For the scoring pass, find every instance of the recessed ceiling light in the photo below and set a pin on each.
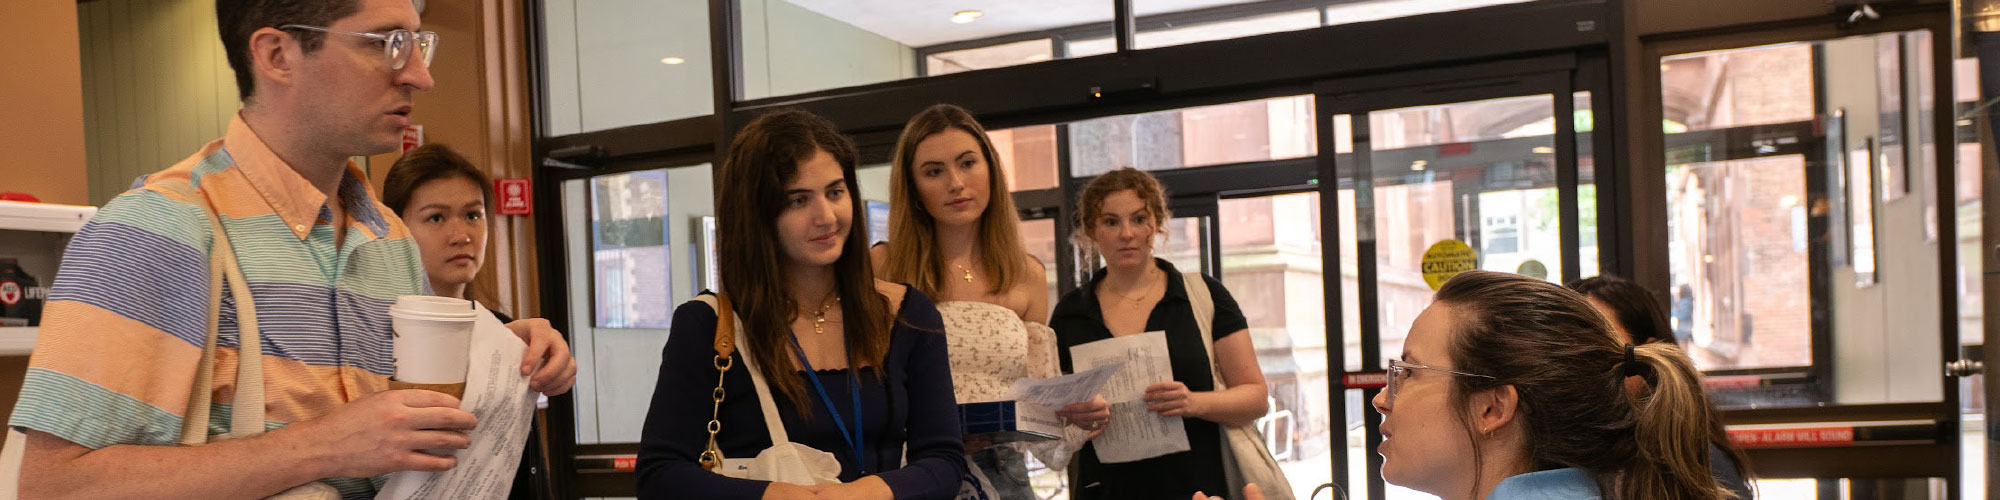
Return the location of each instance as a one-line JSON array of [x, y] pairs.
[[672, 60], [1543, 150], [1419, 165], [966, 16]]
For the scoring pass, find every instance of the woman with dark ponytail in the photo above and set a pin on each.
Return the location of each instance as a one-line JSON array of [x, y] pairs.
[[1636, 313], [1511, 387]]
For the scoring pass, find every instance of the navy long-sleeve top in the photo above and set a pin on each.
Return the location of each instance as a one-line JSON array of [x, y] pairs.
[[913, 408]]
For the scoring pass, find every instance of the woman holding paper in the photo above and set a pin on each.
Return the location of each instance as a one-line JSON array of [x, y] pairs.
[[1120, 215], [954, 235], [852, 368], [443, 199]]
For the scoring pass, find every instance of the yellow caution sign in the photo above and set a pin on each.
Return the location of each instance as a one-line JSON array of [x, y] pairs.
[[1446, 259]]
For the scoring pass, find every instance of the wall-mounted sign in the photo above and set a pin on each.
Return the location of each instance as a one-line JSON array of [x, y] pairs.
[[1446, 259], [515, 197], [413, 136]]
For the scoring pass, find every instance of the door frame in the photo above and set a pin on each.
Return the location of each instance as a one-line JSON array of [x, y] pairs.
[[1559, 76], [1939, 458]]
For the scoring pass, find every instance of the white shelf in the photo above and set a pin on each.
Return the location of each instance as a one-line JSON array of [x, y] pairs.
[[17, 340], [47, 217]]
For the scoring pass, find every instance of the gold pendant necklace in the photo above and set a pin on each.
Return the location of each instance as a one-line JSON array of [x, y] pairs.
[[819, 317], [968, 272], [1135, 302]]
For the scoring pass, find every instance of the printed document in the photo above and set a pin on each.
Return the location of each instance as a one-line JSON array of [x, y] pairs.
[[1134, 433]]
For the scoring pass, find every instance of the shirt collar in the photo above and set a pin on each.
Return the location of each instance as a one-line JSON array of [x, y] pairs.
[[1176, 290], [294, 199], [1567, 483]]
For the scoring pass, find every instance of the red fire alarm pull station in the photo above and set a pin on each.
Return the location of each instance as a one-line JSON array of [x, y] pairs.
[[516, 198]]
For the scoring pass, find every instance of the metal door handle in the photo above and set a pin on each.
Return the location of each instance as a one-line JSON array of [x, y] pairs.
[[1964, 368]]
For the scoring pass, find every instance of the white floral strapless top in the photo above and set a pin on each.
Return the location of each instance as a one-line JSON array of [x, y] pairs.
[[991, 348]]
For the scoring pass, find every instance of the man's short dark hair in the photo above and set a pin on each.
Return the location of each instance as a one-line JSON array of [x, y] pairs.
[[237, 19]]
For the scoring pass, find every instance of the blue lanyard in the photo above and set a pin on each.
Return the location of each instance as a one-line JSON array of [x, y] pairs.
[[854, 439]]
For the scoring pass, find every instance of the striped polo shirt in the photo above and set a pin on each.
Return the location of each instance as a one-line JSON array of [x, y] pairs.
[[123, 328]]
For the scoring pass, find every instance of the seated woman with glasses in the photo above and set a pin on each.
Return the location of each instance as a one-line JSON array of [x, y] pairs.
[[1514, 388], [1636, 317]]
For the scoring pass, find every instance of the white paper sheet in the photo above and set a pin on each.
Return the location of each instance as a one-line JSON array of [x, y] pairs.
[[496, 393], [1056, 392], [1134, 433]]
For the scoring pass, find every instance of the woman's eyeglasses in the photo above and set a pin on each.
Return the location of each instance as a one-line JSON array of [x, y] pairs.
[[396, 45], [1398, 370]]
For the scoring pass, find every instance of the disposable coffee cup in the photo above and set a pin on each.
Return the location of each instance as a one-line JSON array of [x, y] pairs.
[[433, 343]]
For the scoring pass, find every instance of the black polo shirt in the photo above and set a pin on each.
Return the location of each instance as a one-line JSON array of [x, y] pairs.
[[1078, 319]]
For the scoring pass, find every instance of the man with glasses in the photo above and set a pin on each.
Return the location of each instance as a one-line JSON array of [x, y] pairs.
[[321, 81]]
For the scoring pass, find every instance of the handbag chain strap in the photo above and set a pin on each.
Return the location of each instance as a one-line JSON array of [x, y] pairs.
[[725, 344]]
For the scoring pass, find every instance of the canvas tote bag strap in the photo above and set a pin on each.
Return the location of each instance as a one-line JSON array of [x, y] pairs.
[[764, 402], [194, 425], [1204, 315], [247, 411]]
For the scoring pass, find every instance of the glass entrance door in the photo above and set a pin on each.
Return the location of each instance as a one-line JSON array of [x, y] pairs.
[[1488, 166]]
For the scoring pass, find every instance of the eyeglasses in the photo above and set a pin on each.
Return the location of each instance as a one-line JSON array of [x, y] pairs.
[[1399, 370], [395, 44]]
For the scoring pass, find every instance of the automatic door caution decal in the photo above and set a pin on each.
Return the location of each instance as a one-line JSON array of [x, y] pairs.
[[1445, 259]]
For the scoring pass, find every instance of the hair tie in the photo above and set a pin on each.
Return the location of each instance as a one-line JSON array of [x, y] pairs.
[[1631, 363]]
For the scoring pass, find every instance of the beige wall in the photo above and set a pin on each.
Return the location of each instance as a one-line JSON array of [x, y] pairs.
[[480, 109], [41, 96], [155, 86]]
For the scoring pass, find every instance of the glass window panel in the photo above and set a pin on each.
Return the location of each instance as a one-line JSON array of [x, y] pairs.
[[1377, 10], [1028, 155], [1186, 240], [1481, 172], [798, 46], [1739, 215], [1269, 129], [1586, 188], [646, 235], [874, 182], [1039, 235], [1706, 90], [615, 63], [629, 230], [1740, 279], [1091, 46], [1227, 29], [1271, 263], [993, 56]]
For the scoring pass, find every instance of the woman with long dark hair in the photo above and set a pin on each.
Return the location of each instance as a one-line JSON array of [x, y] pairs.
[[856, 367]]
